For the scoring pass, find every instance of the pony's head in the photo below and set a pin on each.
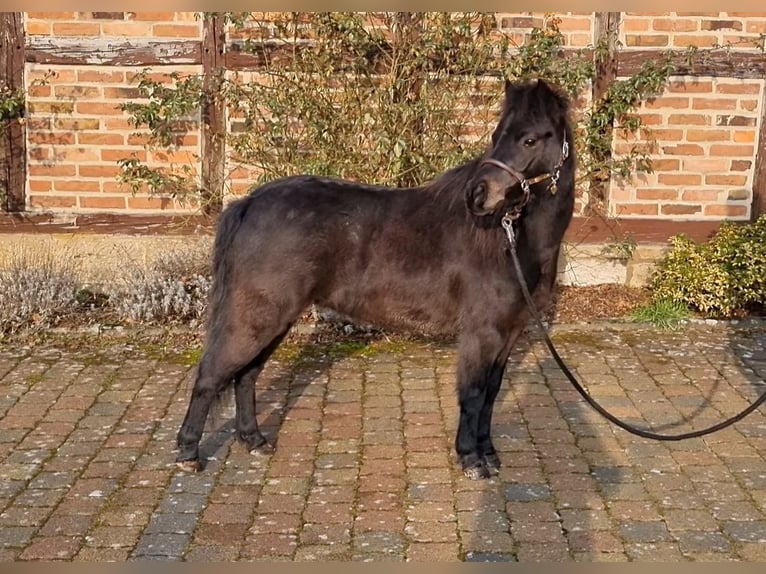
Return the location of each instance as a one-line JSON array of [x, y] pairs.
[[529, 147]]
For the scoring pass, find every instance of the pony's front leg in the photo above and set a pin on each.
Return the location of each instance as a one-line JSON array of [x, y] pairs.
[[494, 382], [484, 433], [479, 374]]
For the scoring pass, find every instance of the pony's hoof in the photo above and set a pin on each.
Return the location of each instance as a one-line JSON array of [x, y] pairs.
[[256, 443], [478, 472], [189, 465], [493, 463], [264, 448]]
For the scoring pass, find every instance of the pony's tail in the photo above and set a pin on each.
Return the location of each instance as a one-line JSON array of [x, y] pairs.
[[228, 226]]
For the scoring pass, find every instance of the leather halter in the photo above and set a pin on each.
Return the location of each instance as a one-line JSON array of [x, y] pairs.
[[526, 183]]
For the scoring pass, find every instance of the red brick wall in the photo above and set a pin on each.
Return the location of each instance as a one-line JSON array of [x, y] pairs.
[[706, 128]]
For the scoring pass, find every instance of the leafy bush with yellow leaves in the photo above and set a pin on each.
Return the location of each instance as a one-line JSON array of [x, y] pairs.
[[723, 277]]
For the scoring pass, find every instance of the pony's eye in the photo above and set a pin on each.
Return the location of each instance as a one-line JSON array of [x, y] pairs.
[[529, 142]]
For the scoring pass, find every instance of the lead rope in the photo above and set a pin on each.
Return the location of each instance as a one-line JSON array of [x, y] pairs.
[[507, 223]]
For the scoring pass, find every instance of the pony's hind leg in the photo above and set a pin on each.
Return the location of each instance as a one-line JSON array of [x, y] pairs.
[[244, 392], [215, 372], [229, 350]]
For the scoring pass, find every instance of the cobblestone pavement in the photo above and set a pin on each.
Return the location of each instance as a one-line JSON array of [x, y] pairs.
[[363, 468]]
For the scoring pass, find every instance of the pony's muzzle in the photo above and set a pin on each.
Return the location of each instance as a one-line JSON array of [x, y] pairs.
[[489, 193]]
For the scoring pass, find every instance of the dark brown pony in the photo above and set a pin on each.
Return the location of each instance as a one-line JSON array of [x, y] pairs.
[[433, 258]]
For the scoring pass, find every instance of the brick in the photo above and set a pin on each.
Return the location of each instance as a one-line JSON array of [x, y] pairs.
[[76, 29], [683, 149], [116, 187], [697, 41], [100, 76], [52, 201], [79, 154], [127, 28], [575, 24], [109, 15], [37, 107], [631, 24], [91, 202], [706, 195], [51, 15], [732, 150], [675, 24], [648, 194], [646, 40], [690, 86], [714, 103], [667, 102], [707, 135], [679, 179], [729, 120], [722, 25], [176, 30], [184, 157], [52, 170], [74, 124], [152, 16], [100, 139], [744, 136], [749, 105], [98, 109], [118, 154], [726, 210], [637, 209], [37, 28], [737, 180], [737, 88], [121, 93], [680, 209], [661, 164], [76, 185], [77, 92], [705, 165], [666, 135], [39, 185], [109, 171]]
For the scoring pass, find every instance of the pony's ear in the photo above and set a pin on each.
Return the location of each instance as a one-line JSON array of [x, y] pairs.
[[543, 86]]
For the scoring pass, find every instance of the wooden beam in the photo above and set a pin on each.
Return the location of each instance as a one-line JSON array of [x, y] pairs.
[[137, 52], [213, 115], [605, 59], [112, 51], [13, 149], [758, 207], [740, 65]]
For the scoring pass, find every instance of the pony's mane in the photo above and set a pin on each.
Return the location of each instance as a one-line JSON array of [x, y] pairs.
[[451, 185]]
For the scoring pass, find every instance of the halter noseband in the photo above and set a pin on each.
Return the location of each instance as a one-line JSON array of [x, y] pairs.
[[526, 183]]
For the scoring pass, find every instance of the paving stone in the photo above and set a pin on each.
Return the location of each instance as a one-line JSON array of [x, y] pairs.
[[91, 478], [161, 544], [172, 523]]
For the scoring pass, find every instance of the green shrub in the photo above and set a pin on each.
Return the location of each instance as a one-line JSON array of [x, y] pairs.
[[722, 277]]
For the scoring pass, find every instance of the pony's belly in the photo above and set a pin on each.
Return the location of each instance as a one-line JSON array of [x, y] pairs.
[[396, 311]]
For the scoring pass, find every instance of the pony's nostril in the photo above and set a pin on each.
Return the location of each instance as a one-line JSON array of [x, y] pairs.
[[479, 193]]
